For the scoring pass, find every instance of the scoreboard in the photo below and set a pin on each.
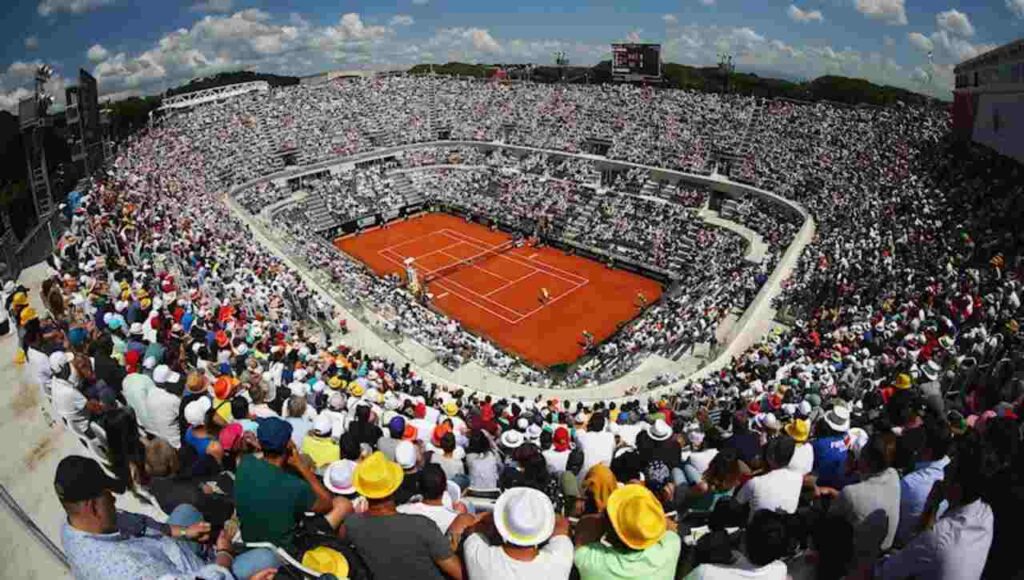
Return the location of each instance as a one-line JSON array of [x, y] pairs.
[[636, 62]]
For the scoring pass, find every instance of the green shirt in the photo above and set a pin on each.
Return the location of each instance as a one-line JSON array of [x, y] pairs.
[[269, 501], [596, 561]]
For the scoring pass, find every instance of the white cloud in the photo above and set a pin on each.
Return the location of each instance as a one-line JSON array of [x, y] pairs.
[[401, 20], [97, 53], [956, 22], [215, 6], [891, 12], [352, 28], [16, 84], [31, 43], [920, 41], [670, 19], [798, 15], [48, 7], [1016, 6], [952, 47]]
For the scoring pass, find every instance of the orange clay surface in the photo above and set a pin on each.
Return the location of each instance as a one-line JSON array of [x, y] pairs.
[[499, 297]]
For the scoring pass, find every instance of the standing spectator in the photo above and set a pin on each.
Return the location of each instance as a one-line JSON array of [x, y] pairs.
[[395, 545], [642, 545], [917, 485], [558, 454], [507, 543], [830, 449], [597, 444]]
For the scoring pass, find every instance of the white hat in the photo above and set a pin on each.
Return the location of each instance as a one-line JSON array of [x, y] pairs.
[[336, 401], [533, 432], [300, 374], [59, 360], [135, 328], [659, 431], [322, 425], [838, 418], [338, 477], [522, 424], [405, 454], [804, 408], [931, 370], [511, 439], [195, 412], [771, 422], [298, 389], [149, 362], [524, 516], [696, 437], [164, 374]]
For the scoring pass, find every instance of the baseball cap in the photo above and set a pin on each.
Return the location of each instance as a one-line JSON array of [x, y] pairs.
[[273, 434], [80, 478], [322, 425]]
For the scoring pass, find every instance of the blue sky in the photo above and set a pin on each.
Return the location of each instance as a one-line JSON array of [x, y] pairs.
[[144, 46]]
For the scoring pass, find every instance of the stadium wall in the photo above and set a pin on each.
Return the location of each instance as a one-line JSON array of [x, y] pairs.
[[749, 329]]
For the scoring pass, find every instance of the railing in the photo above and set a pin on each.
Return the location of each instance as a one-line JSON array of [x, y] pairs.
[[35, 246]]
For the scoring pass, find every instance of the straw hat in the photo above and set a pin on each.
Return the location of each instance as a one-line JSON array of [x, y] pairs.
[[451, 409], [377, 477], [524, 516], [339, 475], [838, 418], [326, 561], [903, 381], [637, 516], [799, 430], [659, 431]]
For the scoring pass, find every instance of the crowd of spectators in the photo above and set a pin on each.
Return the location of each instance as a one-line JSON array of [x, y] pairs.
[[878, 435]]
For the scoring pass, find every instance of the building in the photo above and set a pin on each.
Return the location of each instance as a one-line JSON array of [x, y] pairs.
[[988, 104]]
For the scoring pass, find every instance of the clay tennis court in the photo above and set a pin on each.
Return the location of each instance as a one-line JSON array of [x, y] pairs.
[[498, 295]]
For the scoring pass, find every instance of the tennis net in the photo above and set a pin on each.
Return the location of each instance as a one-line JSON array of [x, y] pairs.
[[466, 262]]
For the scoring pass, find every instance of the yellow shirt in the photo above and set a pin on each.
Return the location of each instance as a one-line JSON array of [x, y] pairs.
[[322, 450]]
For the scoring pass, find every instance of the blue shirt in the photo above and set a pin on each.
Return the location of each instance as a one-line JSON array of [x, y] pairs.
[[914, 489], [134, 551], [830, 461]]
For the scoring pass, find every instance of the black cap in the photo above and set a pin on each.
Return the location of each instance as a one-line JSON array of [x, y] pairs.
[[80, 478]]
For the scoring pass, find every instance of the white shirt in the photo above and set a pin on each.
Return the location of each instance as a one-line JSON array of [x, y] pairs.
[[440, 515], [556, 461], [484, 561], [598, 447], [740, 570], [777, 489], [135, 388], [803, 459], [955, 549], [628, 433], [162, 416], [424, 429], [69, 403], [700, 460], [39, 367]]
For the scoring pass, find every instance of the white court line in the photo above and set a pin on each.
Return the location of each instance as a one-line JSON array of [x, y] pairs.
[[452, 291], [532, 256], [407, 242], [575, 278], [553, 300], [440, 296], [403, 257], [512, 283], [485, 271]]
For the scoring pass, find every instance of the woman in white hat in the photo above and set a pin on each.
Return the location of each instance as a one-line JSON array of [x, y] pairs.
[[534, 541]]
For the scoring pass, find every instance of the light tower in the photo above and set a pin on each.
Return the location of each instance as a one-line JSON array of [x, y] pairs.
[[725, 68], [34, 122]]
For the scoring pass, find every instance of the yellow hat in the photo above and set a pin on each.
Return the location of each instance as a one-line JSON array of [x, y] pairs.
[[27, 314], [357, 389], [377, 477], [637, 516], [326, 561], [902, 381], [451, 409], [335, 382], [20, 299], [799, 430]]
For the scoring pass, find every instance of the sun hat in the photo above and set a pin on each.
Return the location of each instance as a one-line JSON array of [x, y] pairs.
[[410, 433], [439, 432], [222, 387], [770, 422], [838, 418], [659, 431], [164, 374], [405, 454], [135, 329], [59, 360], [799, 430], [524, 516], [230, 436], [195, 383], [326, 561], [931, 370], [511, 439], [195, 412], [338, 477], [20, 299], [322, 425], [335, 382], [451, 409], [27, 315], [533, 432], [637, 516], [902, 381], [377, 477]]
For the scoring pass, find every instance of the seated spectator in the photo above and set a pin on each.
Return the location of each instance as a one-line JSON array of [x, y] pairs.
[[830, 448], [318, 444], [917, 485], [387, 442], [597, 444], [803, 454], [957, 544], [642, 543], [450, 461], [172, 488], [482, 462], [432, 485], [200, 436], [300, 417], [162, 409], [725, 474], [779, 487], [766, 544], [394, 545], [556, 454], [407, 457], [522, 538], [101, 542]]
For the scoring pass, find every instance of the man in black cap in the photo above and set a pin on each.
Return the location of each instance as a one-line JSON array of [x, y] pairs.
[[101, 542]]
